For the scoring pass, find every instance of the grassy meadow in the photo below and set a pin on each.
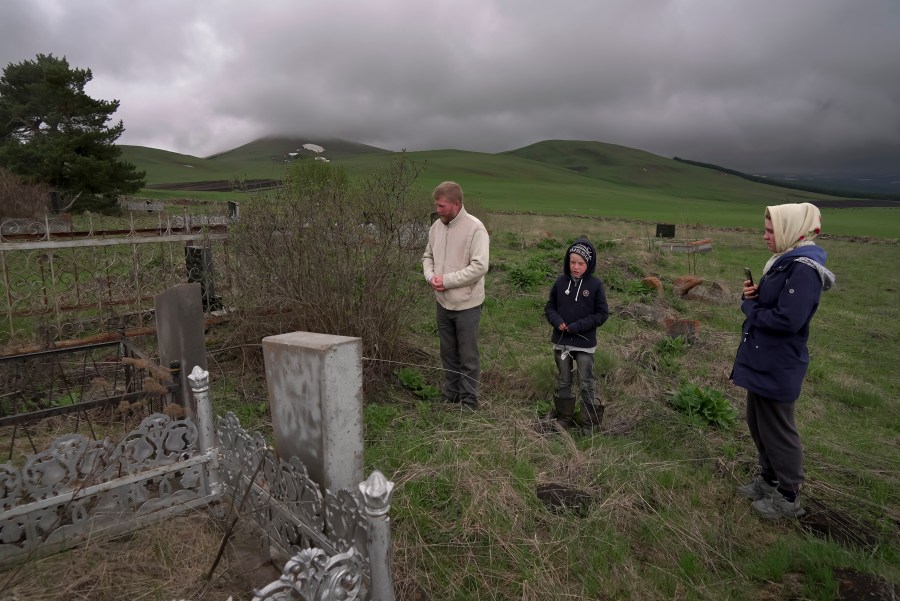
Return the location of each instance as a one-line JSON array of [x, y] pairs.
[[657, 518], [664, 522], [552, 177]]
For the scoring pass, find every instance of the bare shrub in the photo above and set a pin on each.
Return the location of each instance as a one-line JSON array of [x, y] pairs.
[[326, 255], [21, 199]]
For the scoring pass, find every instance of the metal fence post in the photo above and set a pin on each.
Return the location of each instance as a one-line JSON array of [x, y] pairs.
[[199, 381], [376, 492]]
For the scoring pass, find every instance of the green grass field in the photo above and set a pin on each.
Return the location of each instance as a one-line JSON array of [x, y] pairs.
[[663, 522], [555, 177]]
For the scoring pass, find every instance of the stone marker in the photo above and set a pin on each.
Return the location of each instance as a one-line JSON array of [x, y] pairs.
[[179, 333], [652, 282], [316, 401], [684, 283]]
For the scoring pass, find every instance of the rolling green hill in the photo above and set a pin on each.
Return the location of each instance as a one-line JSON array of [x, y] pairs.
[[576, 178], [266, 149], [261, 159]]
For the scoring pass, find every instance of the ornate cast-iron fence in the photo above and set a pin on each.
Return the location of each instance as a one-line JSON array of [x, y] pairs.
[[338, 543], [76, 379], [58, 285]]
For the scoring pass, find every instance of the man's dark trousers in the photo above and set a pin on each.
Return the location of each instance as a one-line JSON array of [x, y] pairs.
[[458, 332]]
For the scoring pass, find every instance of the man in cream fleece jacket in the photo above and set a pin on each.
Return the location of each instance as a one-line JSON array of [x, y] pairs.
[[454, 263]]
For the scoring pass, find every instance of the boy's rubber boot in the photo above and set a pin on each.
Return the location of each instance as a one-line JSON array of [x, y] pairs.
[[592, 416], [565, 412]]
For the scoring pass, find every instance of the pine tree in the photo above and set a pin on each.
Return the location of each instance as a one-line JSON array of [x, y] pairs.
[[52, 132]]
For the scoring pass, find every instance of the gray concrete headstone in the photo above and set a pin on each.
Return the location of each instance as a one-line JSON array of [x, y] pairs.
[[179, 332], [316, 402]]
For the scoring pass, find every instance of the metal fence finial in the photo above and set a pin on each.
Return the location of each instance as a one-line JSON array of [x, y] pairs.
[[199, 379], [376, 492]]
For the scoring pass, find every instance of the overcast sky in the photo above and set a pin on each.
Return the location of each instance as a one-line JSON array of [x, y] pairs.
[[757, 85]]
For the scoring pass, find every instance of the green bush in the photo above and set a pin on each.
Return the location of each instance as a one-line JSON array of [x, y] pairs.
[[330, 255], [704, 405]]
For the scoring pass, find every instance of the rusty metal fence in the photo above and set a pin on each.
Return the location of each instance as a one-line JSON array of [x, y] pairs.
[[61, 283]]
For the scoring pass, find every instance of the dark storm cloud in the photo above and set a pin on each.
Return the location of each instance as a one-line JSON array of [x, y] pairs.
[[754, 86]]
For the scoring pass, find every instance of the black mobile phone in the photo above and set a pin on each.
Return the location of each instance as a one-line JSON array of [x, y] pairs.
[[748, 275]]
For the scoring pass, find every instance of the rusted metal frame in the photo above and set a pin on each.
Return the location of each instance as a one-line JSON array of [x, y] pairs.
[[77, 276], [23, 418], [55, 291], [8, 288], [44, 283], [99, 293], [66, 308], [56, 351], [87, 417], [218, 233], [135, 351], [136, 270]]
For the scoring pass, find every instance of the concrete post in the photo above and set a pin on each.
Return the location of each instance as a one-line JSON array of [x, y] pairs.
[[199, 381], [376, 493], [316, 402]]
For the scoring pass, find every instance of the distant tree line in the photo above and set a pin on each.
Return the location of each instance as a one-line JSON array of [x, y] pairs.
[[842, 193]]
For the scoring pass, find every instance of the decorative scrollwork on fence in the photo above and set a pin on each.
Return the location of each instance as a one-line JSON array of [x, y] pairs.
[[79, 486], [284, 501], [311, 575]]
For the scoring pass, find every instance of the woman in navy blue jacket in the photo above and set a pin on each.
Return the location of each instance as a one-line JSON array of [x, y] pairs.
[[576, 308], [772, 357]]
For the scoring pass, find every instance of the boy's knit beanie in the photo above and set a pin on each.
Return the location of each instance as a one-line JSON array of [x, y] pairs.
[[582, 250]]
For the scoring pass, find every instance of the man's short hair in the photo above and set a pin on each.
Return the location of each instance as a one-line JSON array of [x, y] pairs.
[[448, 190]]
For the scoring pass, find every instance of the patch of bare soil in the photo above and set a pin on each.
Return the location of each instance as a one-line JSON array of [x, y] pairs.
[[839, 527], [559, 498], [856, 586]]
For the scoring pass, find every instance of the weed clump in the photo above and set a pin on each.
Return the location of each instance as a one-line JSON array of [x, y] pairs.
[[706, 406]]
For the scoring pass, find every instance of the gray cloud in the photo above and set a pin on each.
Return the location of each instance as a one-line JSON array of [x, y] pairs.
[[769, 85]]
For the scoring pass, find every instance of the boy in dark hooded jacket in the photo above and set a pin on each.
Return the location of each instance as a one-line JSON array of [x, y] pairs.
[[576, 308]]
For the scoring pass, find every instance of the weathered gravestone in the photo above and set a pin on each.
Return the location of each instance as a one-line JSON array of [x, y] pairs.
[[316, 402], [179, 333]]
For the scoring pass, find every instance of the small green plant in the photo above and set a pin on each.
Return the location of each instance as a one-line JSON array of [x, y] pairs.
[[703, 405], [412, 379], [670, 350], [672, 346], [549, 244]]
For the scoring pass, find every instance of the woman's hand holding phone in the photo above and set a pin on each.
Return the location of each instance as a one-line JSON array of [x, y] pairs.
[[749, 286]]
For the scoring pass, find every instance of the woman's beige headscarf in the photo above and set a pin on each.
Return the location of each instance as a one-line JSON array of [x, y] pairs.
[[795, 225]]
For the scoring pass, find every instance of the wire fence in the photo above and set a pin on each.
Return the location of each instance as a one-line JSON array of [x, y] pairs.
[[60, 283]]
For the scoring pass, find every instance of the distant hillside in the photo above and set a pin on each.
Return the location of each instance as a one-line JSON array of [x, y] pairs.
[[261, 159], [859, 183], [608, 162], [267, 149], [830, 187], [163, 166], [579, 178]]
